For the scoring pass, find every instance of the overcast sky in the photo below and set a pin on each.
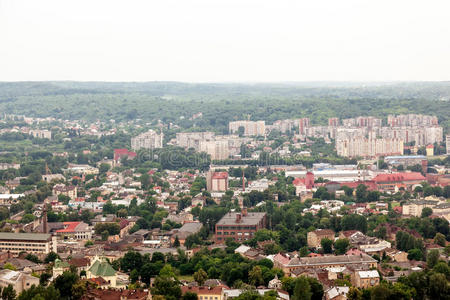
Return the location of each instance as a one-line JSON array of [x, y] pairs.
[[224, 40]]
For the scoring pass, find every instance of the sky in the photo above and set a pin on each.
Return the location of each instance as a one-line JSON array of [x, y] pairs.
[[224, 40]]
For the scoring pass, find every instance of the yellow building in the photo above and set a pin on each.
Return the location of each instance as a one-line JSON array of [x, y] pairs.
[[205, 292]]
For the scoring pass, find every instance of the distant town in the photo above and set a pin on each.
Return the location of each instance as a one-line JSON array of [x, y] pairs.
[[268, 210]]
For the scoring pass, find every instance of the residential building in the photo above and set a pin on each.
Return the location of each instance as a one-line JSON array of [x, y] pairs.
[[147, 140], [184, 231], [193, 139], [20, 281], [123, 153], [369, 147], [250, 128], [205, 292], [239, 226], [366, 279], [447, 143], [66, 190], [289, 264], [218, 150], [337, 293], [35, 243], [217, 181], [315, 237], [42, 134]]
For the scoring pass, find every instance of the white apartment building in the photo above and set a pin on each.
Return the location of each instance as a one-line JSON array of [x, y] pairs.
[[193, 139], [369, 147], [147, 140], [251, 128], [217, 149]]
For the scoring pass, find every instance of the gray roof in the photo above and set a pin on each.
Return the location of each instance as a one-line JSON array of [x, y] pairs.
[[192, 227], [252, 218], [337, 259], [25, 236]]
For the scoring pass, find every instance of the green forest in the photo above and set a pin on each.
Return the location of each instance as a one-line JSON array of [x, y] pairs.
[[220, 103]]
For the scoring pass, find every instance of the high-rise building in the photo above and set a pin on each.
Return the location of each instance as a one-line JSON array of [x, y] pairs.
[[334, 122], [369, 147], [447, 143], [147, 140], [217, 149], [251, 128], [193, 139]]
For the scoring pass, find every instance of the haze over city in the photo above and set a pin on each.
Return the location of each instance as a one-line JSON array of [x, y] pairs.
[[233, 41]]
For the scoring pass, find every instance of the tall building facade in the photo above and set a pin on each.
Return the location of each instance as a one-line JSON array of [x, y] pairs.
[[147, 140], [369, 147], [251, 128]]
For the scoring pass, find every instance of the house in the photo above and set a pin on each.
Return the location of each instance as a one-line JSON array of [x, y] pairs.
[[289, 264], [19, 280], [81, 263], [365, 279], [205, 292], [337, 293], [66, 190], [186, 230], [315, 237]]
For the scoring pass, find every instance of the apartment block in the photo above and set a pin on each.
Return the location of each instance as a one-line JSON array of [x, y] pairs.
[[147, 140], [369, 147], [251, 128]]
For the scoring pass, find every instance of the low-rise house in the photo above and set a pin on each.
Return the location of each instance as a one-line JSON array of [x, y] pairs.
[[337, 293], [20, 281], [66, 190], [289, 264], [365, 279], [315, 237], [205, 292], [186, 230], [81, 263]]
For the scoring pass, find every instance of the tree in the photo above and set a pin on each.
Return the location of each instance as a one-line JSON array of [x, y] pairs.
[[415, 254], [200, 276], [432, 258], [189, 296], [302, 289], [44, 278], [176, 242], [354, 294], [341, 246], [167, 287], [316, 289], [9, 293], [327, 245], [255, 276], [439, 239], [426, 212], [438, 288], [64, 283], [51, 257]]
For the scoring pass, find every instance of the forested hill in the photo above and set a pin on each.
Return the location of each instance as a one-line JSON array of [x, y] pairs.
[[221, 103]]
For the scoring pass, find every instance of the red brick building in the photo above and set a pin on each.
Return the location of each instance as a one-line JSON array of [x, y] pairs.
[[239, 226]]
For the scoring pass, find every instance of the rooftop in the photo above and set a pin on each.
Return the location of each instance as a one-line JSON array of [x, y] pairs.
[[25, 236], [252, 218]]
